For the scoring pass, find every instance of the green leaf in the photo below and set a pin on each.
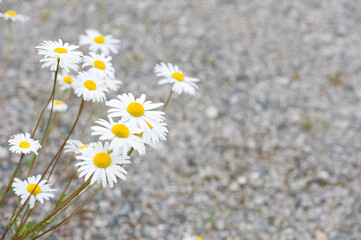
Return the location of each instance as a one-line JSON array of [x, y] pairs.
[[62, 199], [27, 228]]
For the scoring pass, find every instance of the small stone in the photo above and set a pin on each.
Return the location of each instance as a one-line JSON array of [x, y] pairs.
[[211, 112], [320, 235], [242, 180]]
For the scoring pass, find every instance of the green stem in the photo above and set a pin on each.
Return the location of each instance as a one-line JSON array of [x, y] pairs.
[[168, 99]]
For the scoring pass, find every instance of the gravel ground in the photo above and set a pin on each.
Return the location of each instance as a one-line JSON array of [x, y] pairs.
[[268, 149]]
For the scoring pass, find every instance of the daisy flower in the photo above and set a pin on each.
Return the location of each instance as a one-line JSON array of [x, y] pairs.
[[21, 143], [137, 111], [65, 81], [101, 165], [40, 190], [74, 146], [155, 133], [13, 16], [172, 74], [120, 134], [100, 64], [90, 86], [52, 50], [112, 84], [59, 106], [98, 42], [192, 238]]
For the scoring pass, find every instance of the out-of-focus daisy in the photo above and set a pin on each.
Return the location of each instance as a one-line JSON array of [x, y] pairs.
[[13, 16], [100, 64], [59, 106], [74, 146], [40, 192], [192, 238], [103, 166], [65, 81], [137, 111], [52, 50], [155, 133], [98, 42], [120, 134], [21, 143], [90, 86], [172, 74], [112, 84]]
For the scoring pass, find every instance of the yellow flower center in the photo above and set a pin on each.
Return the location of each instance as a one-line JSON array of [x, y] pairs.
[[68, 79], [102, 160], [199, 238], [89, 84], [30, 189], [135, 109], [60, 50], [24, 144], [120, 130], [150, 126], [58, 102], [178, 76], [139, 134], [84, 146], [99, 39], [99, 64], [11, 13]]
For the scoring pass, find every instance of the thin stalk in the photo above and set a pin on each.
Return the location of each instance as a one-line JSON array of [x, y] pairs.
[[168, 99]]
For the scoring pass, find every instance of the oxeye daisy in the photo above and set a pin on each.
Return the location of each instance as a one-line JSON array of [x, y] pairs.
[[137, 111], [155, 133], [98, 42], [74, 146], [112, 84], [21, 143], [13, 16], [90, 86], [100, 64], [38, 190], [65, 81], [192, 238], [172, 74], [120, 134], [52, 50], [101, 165], [59, 106]]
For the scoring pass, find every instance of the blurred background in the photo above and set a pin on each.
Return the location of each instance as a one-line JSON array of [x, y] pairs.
[[269, 148]]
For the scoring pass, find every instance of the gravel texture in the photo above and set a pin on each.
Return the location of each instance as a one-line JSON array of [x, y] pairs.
[[269, 148]]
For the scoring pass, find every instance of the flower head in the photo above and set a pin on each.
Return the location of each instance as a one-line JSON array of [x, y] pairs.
[[138, 112], [172, 74], [13, 16], [90, 86], [39, 190], [98, 42], [99, 64], [59, 106], [65, 81], [52, 50], [74, 146], [21, 143], [102, 166], [112, 84], [155, 133]]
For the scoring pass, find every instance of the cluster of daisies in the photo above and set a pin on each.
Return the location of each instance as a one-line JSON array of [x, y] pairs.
[[132, 122]]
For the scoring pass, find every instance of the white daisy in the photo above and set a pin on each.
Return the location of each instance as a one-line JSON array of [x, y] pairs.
[[192, 238], [98, 42], [172, 74], [137, 111], [21, 143], [100, 64], [101, 165], [74, 146], [13, 16], [65, 81], [90, 86], [156, 133], [59, 106], [39, 190], [120, 134], [52, 50], [112, 84]]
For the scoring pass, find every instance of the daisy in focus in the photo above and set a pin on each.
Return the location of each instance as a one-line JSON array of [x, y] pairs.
[[21, 143], [98, 42], [52, 50], [102, 166], [172, 74], [59, 106], [121, 135], [65, 81], [90, 86], [155, 134], [99, 64], [74, 146], [112, 84], [38, 190], [13, 16], [137, 112]]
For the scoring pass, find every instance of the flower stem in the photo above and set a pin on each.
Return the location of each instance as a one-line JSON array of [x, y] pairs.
[[168, 99]]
